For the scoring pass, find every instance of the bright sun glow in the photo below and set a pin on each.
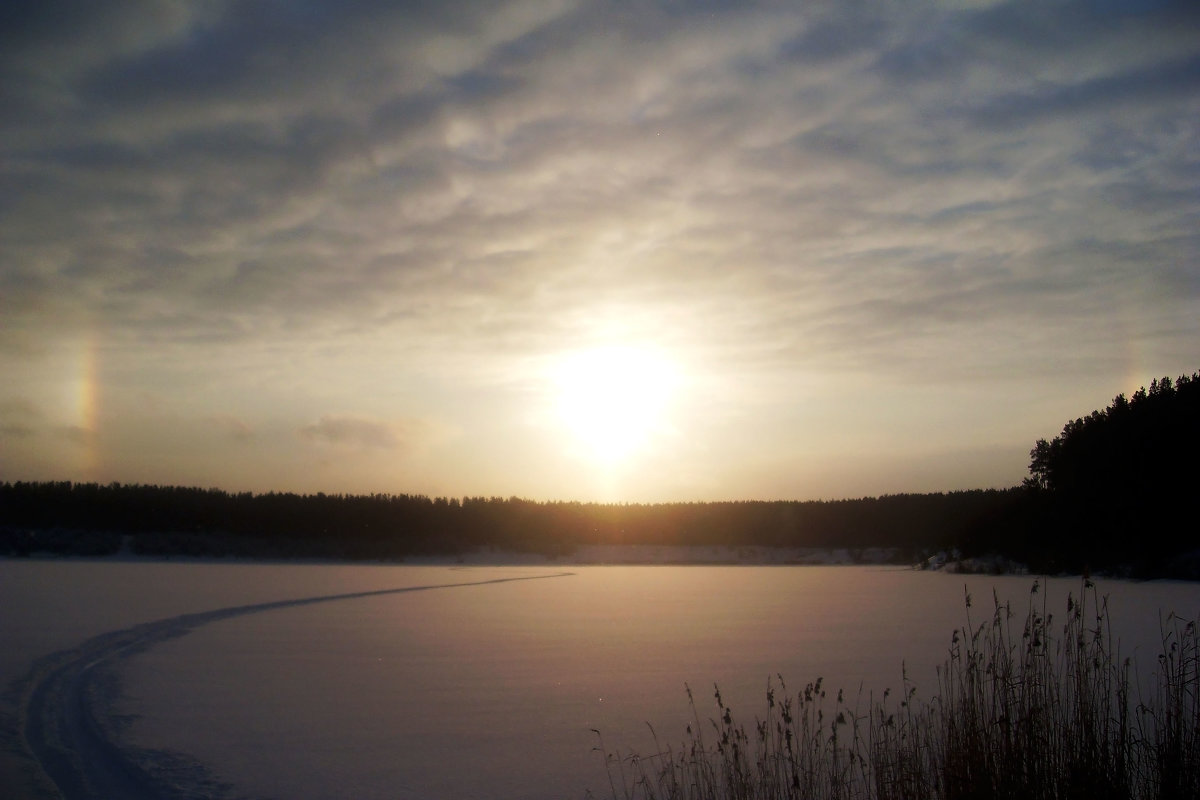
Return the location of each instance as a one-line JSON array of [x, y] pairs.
[[613, 400]]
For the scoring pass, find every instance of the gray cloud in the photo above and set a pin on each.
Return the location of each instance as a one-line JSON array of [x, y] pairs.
[[355, 431], [19, 418], [1174, 80], [237, 429], [78, 435]]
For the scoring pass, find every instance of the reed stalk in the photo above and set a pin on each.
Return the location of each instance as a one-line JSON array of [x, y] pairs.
[[1023, 709]]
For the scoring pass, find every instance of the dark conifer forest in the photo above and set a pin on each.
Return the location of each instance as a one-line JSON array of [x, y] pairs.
[[1115, 491], [1121, 486], [90, 519]]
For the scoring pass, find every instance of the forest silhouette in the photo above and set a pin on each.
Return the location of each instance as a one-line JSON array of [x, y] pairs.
[[1119, 486], [1114, 491]]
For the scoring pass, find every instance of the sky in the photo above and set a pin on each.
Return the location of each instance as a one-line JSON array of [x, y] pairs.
[[626, 252]]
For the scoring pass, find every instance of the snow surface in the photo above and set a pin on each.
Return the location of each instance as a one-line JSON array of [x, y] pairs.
[[191, 680]]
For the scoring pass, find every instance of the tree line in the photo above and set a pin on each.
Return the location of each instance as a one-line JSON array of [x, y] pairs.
[[1115, 491], [89, 518]]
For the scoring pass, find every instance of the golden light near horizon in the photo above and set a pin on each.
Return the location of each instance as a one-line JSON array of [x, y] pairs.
[[613, 401]]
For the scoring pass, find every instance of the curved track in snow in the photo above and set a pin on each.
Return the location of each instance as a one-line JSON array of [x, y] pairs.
[[76, 749]]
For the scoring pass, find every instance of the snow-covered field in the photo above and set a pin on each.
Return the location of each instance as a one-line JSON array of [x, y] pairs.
[[436, 681]]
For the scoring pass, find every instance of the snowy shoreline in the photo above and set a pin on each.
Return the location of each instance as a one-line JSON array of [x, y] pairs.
[[638, 554], [606, 554]]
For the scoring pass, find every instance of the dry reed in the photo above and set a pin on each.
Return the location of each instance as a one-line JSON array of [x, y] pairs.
[[1022, 710]]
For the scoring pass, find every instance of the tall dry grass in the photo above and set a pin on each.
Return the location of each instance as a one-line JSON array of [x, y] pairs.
[[1023, 709]]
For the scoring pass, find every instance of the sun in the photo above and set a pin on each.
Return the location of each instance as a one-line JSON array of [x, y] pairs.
[[613, 401]]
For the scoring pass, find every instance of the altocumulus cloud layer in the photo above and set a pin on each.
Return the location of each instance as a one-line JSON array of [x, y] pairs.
[[340, 244]]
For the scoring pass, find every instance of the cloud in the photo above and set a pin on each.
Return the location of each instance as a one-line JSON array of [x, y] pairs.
[[1174, 80], [362, 432], [440, 194], [19, 418], [15, 430], [235, 428], [78, 435]]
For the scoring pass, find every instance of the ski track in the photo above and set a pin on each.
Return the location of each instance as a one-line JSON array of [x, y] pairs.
[[74, 747]]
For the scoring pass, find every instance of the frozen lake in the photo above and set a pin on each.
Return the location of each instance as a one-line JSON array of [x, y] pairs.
[[476, 682]]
